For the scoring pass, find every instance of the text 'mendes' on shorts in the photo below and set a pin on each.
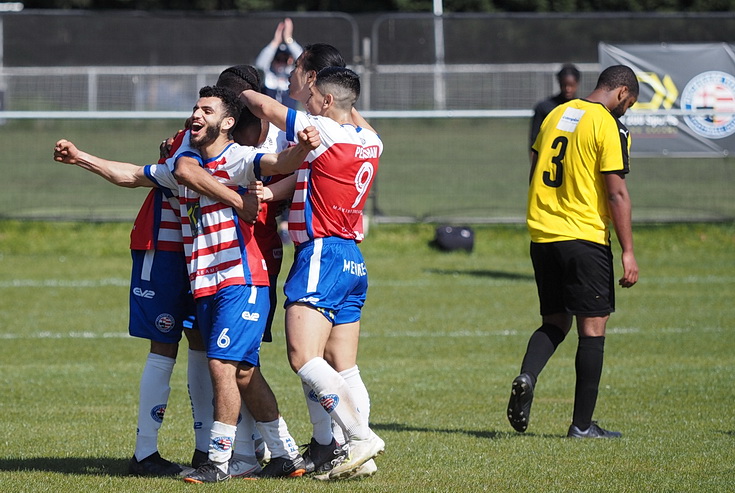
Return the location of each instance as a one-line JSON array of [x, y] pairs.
[[330, 275], [232, 322], [161, 303], [574, 277]]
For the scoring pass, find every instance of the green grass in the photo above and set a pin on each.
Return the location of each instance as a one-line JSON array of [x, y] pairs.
[[445, 168], [443, 336]]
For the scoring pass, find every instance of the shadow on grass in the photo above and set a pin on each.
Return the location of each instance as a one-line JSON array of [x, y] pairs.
[[494, 274], [491, 435], [93, 466]]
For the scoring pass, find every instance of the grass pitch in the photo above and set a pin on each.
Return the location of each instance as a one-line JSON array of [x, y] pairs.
[[431, 170], [443, 337]]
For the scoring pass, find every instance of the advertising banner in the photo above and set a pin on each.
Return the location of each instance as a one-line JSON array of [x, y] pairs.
[[686, 105]]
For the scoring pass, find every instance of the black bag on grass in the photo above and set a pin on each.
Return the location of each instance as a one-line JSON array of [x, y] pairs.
[[449, 238]]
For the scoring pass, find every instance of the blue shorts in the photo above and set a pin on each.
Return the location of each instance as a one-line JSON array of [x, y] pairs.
[[330, 275], [161, 304], [232, 322]]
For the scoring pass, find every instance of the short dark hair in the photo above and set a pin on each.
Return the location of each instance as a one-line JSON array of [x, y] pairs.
[[319, 56], [229, 99], [567, 70], [340, 82], [618, 76]]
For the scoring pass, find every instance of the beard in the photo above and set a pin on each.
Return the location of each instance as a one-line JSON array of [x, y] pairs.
[[210, 135], [619, 110]]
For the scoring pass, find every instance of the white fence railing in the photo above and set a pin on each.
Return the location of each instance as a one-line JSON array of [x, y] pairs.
[[398, 88]]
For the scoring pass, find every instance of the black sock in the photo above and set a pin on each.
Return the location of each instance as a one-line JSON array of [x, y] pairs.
[[541, 347], [588, 364]]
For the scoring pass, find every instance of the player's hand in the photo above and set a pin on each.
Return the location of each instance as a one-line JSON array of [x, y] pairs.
[[256, 188], [166, 144], [250, 208], [630, 270], [66, 152], [278, 35], [165, 148], [287, 30], [309, 138]]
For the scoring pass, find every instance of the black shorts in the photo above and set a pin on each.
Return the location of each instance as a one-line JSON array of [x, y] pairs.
[[574, 277]]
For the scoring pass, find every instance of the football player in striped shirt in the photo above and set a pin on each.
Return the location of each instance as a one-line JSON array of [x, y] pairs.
[[327, 284], [325, 444], [322, 450], [161, 308], [249, 448], [577, 189], [227, 273]]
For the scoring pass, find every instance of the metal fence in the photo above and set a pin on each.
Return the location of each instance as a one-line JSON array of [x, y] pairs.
[[150, 61], [454, 111], [393, 88]]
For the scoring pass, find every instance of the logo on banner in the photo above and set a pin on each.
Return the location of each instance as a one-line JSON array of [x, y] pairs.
[[711, 91], [664, 91]]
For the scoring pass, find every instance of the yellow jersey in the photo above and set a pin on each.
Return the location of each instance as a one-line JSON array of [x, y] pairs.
[[567, 197]]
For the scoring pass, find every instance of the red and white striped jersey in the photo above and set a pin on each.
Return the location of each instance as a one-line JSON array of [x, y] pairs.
[[220, 248], [266, 224], [157, 225], [332, 185]]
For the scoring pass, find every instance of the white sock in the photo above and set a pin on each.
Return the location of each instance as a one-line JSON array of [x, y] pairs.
[[154, 392], [201, 396], [277, 438], [361, 396], [338, 433], [335, 396], [222, 438], [246, 430], [359, 391], [321, 421]]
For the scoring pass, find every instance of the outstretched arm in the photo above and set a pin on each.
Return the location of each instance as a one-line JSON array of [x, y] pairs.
[[293, 47], [291, 159], [620, 210], [265, 107], [360, 121], [190, 174], [121, 174], [265, 57]]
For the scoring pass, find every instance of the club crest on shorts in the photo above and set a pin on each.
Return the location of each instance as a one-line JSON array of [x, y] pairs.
[[157, 413], [165, 322], [329, 402]]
